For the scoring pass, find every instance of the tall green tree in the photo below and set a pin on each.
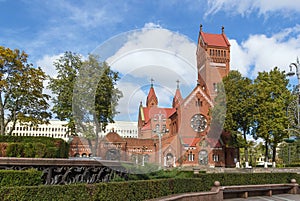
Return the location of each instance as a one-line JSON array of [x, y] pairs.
[[272, 98], [237, 98], [94, 104], [91, 95], [21, 91], [67, 67]]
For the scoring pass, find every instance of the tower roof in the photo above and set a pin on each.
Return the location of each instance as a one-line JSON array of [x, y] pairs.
[[177, 97], [219, 40], [151, 98]]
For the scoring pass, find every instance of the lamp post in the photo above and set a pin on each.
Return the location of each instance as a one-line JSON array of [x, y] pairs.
[[291, 73], [160, 129], [289, 141]]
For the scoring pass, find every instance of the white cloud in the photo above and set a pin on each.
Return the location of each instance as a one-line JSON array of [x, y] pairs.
[[129, 104], [262, 53], [46, 63], [151, 52], [245, 7], [239, 58]]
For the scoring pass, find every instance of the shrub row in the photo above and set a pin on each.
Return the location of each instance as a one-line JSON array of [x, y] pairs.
[[228, 179], [20, 178], [139, 190], [132, 190], [33, 147]]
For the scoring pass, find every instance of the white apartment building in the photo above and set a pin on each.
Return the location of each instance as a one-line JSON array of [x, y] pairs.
[[55, 129], [58, 129], [125, 129]]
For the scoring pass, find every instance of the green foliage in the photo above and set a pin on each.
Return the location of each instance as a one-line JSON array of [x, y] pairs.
[[20, 178], [257, 108], [271, 101], [67, 68], [21, 91], [35, 147], [237, 97], [86, 95], [228, 179], [140, 190], [150, 171]]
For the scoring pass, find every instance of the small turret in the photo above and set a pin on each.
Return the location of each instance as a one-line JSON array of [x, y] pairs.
[[151, 98], [177, 97]]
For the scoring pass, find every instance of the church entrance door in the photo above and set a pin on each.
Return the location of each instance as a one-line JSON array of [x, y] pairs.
[[203, 157]]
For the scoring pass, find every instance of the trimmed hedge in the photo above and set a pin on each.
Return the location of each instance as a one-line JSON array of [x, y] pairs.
[[133, 190], [34, 147], [20, 178], [228, 179], [139, 190]]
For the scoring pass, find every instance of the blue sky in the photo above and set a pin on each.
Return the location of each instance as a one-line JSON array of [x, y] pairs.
[[262, 33]]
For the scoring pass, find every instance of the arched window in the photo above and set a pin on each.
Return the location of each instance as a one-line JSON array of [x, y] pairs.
[[191, 156]]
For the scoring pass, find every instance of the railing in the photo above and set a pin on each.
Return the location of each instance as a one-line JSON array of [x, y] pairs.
[[66, 171]]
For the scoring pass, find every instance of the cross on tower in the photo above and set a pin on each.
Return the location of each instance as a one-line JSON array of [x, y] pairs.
[[152, 80], [177, 83]]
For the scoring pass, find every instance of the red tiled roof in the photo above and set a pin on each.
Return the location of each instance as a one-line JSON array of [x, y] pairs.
[[151, 95], [114, 137], [214, 142], [150, 112], [177, 98], [219, 40], [147, 126], [190, 141], [139, 142]]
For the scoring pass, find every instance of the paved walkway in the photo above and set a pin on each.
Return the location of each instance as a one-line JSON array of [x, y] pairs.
[[281, 197]]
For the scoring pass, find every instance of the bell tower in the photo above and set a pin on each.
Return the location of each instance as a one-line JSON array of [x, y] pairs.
[[213, 60]]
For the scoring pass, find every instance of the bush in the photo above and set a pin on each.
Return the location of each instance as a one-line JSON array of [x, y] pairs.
[[228, 179], [139, 190], [20, 177], [34, 147], [294, 164]]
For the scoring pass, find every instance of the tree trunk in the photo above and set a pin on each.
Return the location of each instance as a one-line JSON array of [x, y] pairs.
[[2, 119], [274, 153], [246, 150], [266, 154], [274, 156]]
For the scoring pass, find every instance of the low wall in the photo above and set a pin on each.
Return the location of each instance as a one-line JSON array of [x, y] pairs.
[[219, 193], [245, 191], [216, 194]]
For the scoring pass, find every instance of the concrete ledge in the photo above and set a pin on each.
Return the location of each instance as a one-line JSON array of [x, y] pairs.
[[244, 191], [216, 194]]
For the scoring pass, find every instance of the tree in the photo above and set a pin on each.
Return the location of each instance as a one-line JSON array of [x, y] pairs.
[[91, 95], [271, 101], [94, 104], [67, 67], [21, 91], [238, 101]]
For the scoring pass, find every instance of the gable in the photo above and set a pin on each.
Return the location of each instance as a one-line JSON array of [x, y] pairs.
[[193, 95]]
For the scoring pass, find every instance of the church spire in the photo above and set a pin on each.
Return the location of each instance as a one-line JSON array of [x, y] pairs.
[[151, 98], [177, 97]]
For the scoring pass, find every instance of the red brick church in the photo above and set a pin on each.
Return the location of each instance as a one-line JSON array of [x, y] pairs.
[[181, 135]]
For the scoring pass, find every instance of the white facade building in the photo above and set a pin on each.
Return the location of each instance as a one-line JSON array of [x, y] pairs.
[[58, 129], [125, 129], [55, 129]]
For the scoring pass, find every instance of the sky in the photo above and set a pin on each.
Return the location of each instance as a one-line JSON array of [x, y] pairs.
[[144, 39]]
